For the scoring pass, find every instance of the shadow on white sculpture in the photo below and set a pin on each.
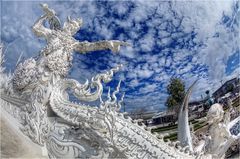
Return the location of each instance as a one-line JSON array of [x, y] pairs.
[[36, 95]]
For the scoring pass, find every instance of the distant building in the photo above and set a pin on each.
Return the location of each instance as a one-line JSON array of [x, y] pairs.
[[196, 108], [163, 117], [232, 85], [142, 115], [194, 105]]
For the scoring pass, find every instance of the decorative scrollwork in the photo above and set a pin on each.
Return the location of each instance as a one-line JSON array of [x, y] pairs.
[[39, 100]]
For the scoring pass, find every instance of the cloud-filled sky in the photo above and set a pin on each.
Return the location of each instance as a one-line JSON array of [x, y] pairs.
[[186, 39]]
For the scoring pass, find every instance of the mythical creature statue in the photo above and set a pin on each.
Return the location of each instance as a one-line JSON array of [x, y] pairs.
[[219, 136], [36, 95], [56, 57]]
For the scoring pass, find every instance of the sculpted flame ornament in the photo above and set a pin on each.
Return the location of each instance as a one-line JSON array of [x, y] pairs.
[[37, 96]]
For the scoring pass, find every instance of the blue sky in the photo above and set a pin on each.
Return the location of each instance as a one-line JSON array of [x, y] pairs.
[[186, 39]]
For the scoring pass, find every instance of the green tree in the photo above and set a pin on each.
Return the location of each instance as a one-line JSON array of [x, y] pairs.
[[176, 91]]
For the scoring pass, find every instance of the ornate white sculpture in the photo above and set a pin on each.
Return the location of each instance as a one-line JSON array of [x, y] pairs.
[[36, 95], [221, 134]]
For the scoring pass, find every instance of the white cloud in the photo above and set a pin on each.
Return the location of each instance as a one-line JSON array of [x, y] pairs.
[[128, 52], [148, 88], [134, 83], [144, 73], [146, 43], [203, 15], [164, 24]]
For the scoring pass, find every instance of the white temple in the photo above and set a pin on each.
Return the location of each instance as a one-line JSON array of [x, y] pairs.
[[35, 95]]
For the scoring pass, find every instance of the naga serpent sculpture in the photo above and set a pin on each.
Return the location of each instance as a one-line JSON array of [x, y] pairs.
[[36, 94]]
